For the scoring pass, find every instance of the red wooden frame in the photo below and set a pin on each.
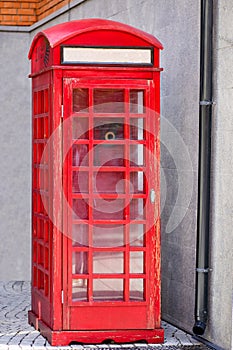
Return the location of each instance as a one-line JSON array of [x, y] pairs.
[[58, 317]]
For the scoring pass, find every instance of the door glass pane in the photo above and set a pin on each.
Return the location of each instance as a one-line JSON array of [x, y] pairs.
[[108, 262], [46, 231], [80, 182], [108, 129], [106, 289], [109, 182], [80, 100], [80, 209], [137, 101], [46, 127], [137, 155], [46, 180], [80, 155], [80, 128], [137, 182], [136, 235], [109, 155], [108, 235], [79, 289], [136, 289], [79, 263], [108, 209], [136, 262], [137, 129], [137, 209], [80, 235], [109, 101]]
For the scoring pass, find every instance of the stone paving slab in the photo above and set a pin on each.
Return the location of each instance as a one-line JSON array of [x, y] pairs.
[[17, 334]]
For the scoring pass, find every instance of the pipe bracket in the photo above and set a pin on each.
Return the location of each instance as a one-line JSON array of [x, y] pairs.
[[201, 270], [207, 103]]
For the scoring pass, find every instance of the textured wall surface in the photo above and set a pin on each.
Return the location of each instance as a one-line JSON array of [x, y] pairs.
[[15, 157], [219, 329]]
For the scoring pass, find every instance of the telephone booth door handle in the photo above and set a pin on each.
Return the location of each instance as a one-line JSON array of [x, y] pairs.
[[152, 196]]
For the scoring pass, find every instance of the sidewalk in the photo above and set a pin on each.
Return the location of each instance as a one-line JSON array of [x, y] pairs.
[[15, 333]]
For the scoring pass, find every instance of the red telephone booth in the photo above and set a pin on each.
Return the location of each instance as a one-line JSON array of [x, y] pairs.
[[95, 165]]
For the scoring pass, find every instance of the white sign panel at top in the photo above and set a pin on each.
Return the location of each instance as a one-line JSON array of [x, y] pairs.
[[108, 56]]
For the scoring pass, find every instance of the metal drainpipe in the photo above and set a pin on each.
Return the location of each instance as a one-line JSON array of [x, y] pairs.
[[205, 114]]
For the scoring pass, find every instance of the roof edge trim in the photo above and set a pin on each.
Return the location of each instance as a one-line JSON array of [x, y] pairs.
[[86, 25]]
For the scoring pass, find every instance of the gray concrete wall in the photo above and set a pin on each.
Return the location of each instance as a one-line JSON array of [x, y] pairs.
[[15, 157], [219, 329]]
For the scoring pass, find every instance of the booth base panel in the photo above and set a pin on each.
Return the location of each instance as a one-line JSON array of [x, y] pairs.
[[62, 338]]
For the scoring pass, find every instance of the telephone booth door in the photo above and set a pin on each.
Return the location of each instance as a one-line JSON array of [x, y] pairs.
[[110, 209]]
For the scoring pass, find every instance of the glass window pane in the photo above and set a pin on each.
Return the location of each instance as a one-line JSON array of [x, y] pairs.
[[80, 155], [108, 235], [80, 100], [46, 128], [40, 280], [43, 153], [136, 262], [46, 100], [136, 289], [40, 127], [45, 201], [80, 235], [137, 182], [80, 128], [46, 180], [109, 182], [109, 155], [41, 178], [137, 209], [80, 209], [35, 103], [137, 128], [35, 123], [106, 289], [79, 263], [108, 262], [136, 235], [137, 155], [46, 285], [79, 290], [137, 101], [108, 128], [41, 255], [109, 101], [40, 102], [46, 231], [108, 209], [80, 182]]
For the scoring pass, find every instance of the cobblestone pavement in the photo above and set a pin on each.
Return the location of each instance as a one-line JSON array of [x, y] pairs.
[[15, 333]]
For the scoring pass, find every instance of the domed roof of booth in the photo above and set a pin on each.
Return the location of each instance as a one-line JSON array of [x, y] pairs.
[[64, 31]]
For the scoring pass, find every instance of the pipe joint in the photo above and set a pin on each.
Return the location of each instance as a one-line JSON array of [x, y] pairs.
[[199, 328]]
